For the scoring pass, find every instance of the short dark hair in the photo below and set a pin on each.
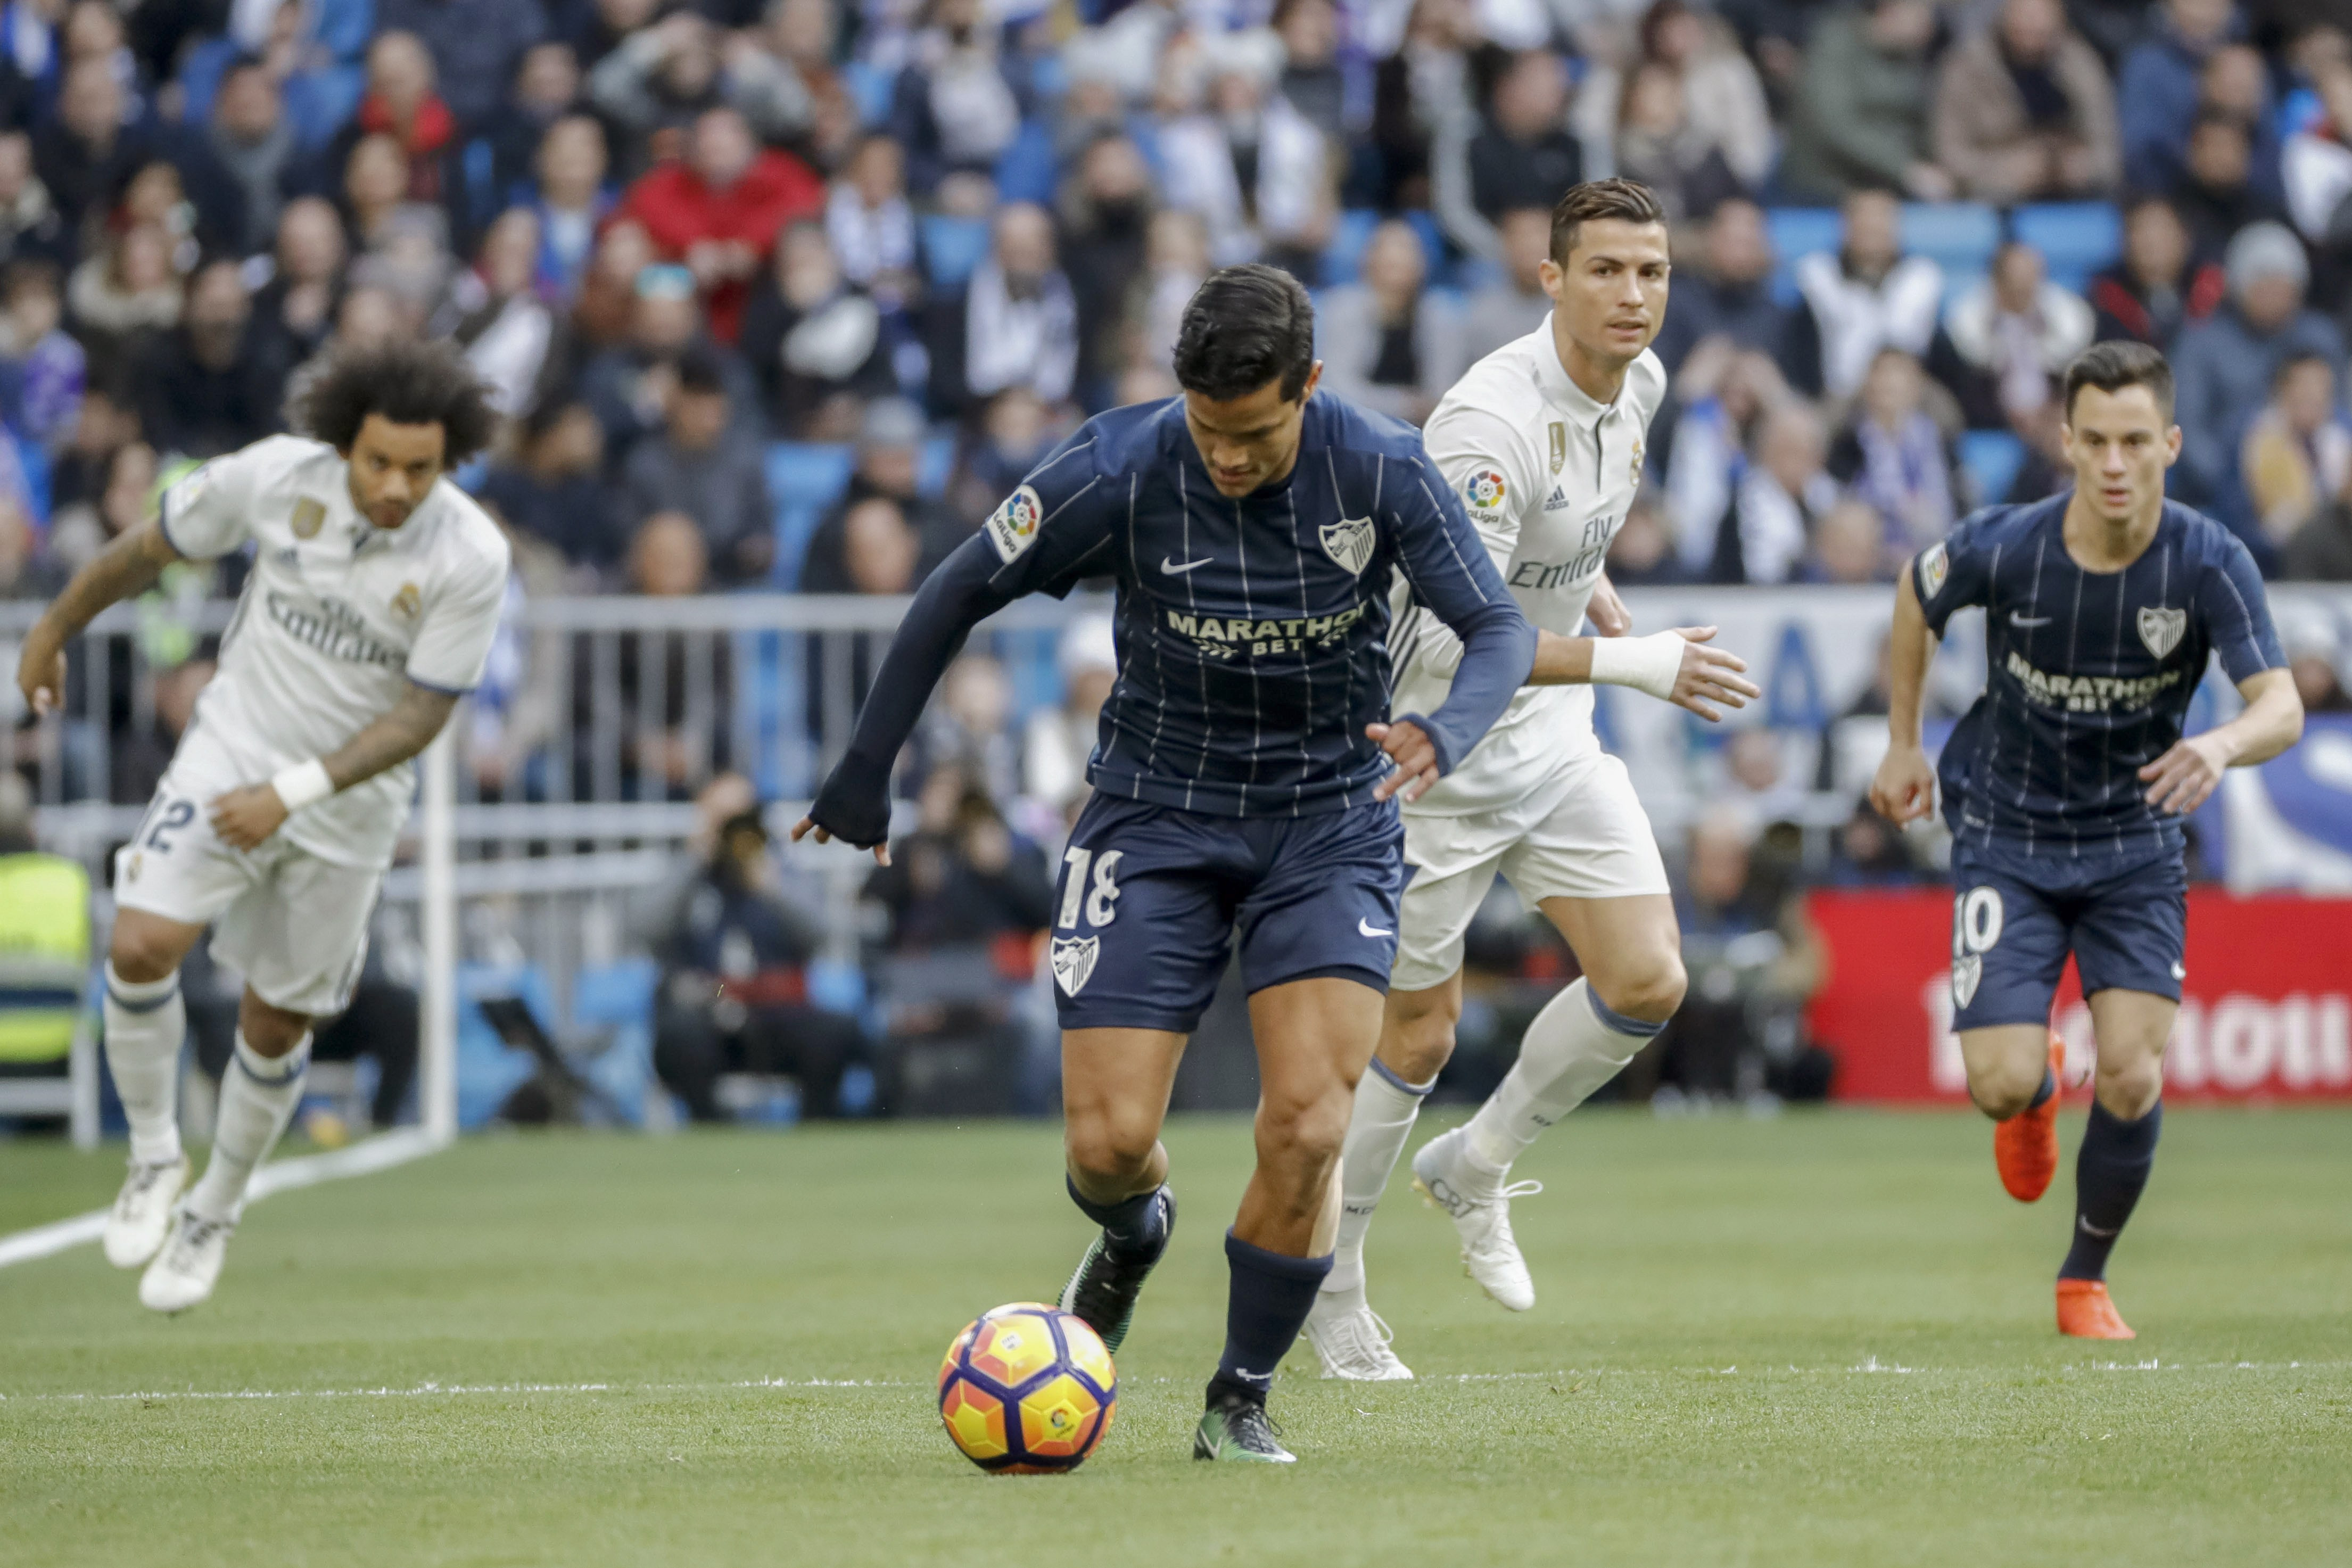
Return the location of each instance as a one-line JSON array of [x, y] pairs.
[[2116, 363], [699, 372], [407, 382], [1625, 200], [1244, 327]]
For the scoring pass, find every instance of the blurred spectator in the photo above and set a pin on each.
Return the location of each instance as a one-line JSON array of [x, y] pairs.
[[1892, 455], [1722, 97], [475, 46], [2157, 88], [1862, 117], [734, 952], [2217, 192], [2316, 171], [25, 574], [868, 220], [1849, 545], [720, 209], [1729, 294], [30, 225], [962, 878], [1662, 145], [570, 200], [1176, 263], [1312, 80], [1015, 323], [669, 692], [1105, 211], [1422, 88], [2024, 111], [1869, 852], [1014, 435], [1723, 392], [628, 384], [121, 294], [401, 106], [141, 753], [1514, 304], [211, 385], [1642, 553], [952, 108], [665, 77], [78, 470], [1255, 168], [815, 340], [158, 195], [868, 549], [80, 531], [2321, 550], [2314, 656], [554, 488], [2013, 335], [42, 370], [546, 91], [297, 306], [802, 35], [1786, 490], [494, 311], [970, 727], [2296, 454], [1867, 295], [89, 149], [710, 465], [2224, 365], [375, 187], [2155, 288], [1520, 155], [1059, 741], [604, 307], [1384, 342], [250, 143]]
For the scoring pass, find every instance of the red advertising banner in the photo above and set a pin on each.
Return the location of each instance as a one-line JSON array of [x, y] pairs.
[[2265, 1013]]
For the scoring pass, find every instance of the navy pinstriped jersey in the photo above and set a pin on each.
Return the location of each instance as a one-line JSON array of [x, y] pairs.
[[2088, 677], [1252, 633]]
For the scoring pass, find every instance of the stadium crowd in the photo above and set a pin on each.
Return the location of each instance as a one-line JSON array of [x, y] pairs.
[[919, 240]]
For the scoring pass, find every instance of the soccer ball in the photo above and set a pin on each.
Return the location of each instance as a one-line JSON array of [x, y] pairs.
[[1027, 1389]]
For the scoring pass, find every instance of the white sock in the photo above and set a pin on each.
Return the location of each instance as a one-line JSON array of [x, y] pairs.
[[1575, 1044], [145, 1024], [1386, 1106], [257, 1099]]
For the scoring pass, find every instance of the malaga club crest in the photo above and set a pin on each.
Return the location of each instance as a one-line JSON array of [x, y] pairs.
[[1350, 543], [1074, 959], [2161, 629], [1966, 973]]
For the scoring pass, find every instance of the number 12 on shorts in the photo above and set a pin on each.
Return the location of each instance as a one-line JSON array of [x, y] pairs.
[[1100, 903]]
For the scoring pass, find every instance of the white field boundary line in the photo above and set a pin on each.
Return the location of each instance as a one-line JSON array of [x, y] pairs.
[[378, 1153], [434, 1390]]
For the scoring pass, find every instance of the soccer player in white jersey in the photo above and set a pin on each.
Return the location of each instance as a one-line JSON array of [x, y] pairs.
[[370, 609], [1543, 441]]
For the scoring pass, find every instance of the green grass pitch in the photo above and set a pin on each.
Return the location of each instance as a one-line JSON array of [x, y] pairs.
[[1820, 1340]]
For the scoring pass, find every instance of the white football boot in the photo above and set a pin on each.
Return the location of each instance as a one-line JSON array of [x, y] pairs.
[[1352, 1342], [184, 1273], [141, 1214], [1480, 1205]]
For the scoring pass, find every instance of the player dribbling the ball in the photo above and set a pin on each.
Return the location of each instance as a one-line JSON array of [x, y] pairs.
[[370, 607], [2065, 784]]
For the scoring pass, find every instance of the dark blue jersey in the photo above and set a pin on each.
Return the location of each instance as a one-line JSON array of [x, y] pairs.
[[1252, 633], [2088, 678]]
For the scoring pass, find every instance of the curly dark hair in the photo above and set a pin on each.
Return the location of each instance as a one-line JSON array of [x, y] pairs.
[[407, 382]]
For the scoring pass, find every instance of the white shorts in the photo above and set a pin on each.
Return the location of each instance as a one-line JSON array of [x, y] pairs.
[[1589, 839], [295, 926]]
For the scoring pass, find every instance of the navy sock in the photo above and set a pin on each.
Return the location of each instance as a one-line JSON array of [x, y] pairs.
[[1265, 1308], [2108, 1175], [1132, 1225], [2049, 1086]]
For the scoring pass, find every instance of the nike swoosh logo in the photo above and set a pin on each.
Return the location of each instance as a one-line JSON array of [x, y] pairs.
[[2179, 971], [1369, 929], [2090, 1229], [2016, 620], [1167, 564]]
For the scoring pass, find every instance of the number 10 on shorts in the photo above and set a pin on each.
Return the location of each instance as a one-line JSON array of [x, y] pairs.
[[1100, 902]]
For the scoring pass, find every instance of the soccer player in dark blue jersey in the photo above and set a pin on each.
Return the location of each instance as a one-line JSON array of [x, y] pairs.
[[1243, 776], [2066, 784]]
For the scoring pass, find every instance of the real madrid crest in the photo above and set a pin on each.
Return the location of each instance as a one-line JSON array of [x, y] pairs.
[[407, 601], [309, 514], [1634, 475]]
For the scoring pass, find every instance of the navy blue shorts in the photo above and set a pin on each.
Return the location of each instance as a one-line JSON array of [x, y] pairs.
[[1150, 899], [2010, 937]]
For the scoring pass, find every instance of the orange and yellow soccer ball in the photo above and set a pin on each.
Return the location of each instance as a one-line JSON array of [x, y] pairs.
[[1026, 1390]]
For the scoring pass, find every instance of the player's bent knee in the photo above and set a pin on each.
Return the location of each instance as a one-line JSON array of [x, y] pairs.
[[2002, 1091], [142, 952], [1108, 1147], [1649, 992]]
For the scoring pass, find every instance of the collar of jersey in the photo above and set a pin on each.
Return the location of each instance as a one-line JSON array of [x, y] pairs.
[[1553, 377]]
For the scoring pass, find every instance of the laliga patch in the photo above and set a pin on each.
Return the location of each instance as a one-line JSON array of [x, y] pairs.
[[1012, 527], [1966, 973], [2161, 629], [1485, 489], [1350, 543], [1074, 959], [1935, 566]]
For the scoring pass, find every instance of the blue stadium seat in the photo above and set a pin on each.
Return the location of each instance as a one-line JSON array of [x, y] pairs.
[[771, 697], [935, 465], [488, 1071], [619, 997], [1025, 170], [34, 459], [1796, 232], [952, 246], [1991, 458], [2075, 239], [870, 87], [1959, 236], [1432, 239], [1345, 254], [804, 478]]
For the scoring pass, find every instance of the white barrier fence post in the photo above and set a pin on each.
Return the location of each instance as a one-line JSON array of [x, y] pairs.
[[437, 1047]]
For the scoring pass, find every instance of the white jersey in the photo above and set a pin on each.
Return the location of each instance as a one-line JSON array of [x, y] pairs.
[[1547, 476], [338, 618]]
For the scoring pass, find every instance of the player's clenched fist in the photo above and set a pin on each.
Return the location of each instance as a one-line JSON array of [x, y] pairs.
[[1905, 786], [41, 673], [2179, 781], [1415, 756], [246, 815]]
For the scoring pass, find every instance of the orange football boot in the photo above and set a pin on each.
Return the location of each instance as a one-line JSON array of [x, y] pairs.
[[2025, 1147], [2084, 1312]]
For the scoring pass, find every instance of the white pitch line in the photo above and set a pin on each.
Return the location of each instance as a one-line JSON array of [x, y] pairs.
[[378, 1153]]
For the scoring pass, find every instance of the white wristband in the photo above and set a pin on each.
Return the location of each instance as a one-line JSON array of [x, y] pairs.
[[304, 784], [1650, 664]]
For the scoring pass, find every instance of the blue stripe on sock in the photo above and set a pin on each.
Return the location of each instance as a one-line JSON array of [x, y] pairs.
[[1640, 1028], [148, 1006], [1385, 1071], [299, 1064]]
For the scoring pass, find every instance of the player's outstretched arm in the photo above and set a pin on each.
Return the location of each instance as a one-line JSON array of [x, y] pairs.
[[1676, 667], [2190, 770], [123, 570], [250, 813], [1905, 787]]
